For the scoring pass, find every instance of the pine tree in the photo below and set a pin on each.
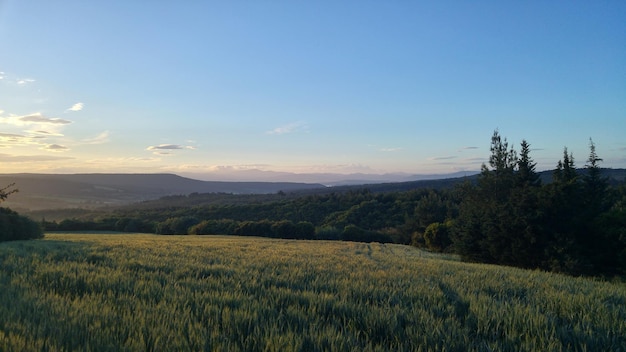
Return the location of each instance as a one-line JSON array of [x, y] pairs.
[[595, 186], [499, 179], [526, 174]]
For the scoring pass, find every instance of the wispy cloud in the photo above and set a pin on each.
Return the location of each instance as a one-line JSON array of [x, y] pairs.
[[2, 75], [342, 168], [166, 149], [39, 118], [390, 150], [289, 128], [15, 139], [76, 107], [55, 148], [476, 160], [42, 133], [30, 158], [467, 148], [11, 136], [25, 81], [435, 158], [99, 139]]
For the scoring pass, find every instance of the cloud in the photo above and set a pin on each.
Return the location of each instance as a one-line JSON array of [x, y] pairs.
[[16, 139], [30, 158], [39, 118], [76, 107], [25, 81], [11, 135], [289, 128], [43, 134], [166, 149], [56, 148], [435, 158], [390, 150], [467, 148], [2, 75], [99, 139], [342, 168], [476, 160]]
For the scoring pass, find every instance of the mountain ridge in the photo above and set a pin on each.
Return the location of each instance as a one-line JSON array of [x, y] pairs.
[[53, 191], [98, 190]]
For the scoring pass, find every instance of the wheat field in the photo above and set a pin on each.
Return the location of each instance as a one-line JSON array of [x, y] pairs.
[[135, 292]]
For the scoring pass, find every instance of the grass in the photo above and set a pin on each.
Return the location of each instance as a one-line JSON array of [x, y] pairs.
[[106, 292]]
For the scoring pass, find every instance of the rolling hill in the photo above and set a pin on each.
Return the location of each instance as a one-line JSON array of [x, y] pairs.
[[89, 191], [48, 191]]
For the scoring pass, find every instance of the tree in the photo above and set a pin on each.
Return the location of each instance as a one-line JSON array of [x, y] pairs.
[[7, 191], [437, 237], [14, 226], [176, 225], [565, 169], [431, 208], [526, 174], [595, 186], [498, 217], [500, 178], [305, 230]]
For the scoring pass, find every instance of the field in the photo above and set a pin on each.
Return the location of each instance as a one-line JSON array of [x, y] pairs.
[[117, 292]]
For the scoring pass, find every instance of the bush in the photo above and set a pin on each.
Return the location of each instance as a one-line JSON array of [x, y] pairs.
[[328, 233], [305, 230], [214, 227], [437, 236], [16, 227], [261, 228], [284, 229], [176, 226], [357, 234]]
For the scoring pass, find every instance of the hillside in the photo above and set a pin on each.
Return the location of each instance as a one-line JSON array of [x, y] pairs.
[[119, 292], [91, 191], [47, 191]]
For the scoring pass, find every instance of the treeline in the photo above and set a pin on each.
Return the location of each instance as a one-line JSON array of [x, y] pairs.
[[355, 215], [14, 226], [574, 223]]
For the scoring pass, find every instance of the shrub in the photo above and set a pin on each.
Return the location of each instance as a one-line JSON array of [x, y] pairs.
[[437, 236], [357, 234], [328, 233], [214, 227], [176, 226], [16, 227]]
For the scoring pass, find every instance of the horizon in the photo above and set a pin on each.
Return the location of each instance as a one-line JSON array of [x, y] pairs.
[[327, 179], [225, 89]]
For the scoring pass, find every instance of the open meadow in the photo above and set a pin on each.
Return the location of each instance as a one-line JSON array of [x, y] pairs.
[[121, 292]]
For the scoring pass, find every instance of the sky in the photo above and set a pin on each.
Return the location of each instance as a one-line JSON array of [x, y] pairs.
[[209, 88]]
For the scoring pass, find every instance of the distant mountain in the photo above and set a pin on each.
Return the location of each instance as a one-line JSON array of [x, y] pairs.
[[47, 191], [328, 179], [42, 191]]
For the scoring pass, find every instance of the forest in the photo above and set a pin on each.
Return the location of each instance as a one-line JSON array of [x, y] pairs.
[[574, 223]]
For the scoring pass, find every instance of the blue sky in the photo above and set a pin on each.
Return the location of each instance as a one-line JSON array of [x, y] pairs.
[[202, 87]]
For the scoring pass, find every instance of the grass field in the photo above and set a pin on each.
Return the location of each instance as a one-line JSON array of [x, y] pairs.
[[112, 292]]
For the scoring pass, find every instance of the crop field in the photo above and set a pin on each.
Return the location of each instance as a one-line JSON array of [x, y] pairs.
[[123, 292]]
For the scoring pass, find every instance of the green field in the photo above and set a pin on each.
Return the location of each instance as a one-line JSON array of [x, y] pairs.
[[116, 292]]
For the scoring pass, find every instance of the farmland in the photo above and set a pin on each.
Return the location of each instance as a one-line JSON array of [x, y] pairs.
[[119, 292]]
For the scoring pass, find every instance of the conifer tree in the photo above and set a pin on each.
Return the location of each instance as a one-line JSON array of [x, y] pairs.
[[595, 185], [526, 174]]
